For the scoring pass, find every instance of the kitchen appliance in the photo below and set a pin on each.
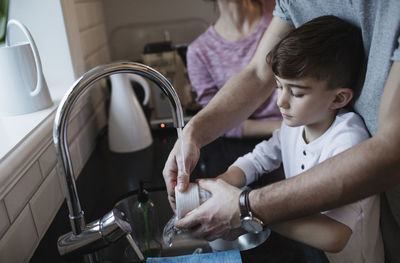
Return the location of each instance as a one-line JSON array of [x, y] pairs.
[[23, 87], [128, 130], [165, 58]]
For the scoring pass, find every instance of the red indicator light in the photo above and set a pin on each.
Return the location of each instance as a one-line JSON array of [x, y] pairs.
[[162, 125]]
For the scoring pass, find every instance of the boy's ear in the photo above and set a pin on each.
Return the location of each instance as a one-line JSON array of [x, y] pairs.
[[342, 98]]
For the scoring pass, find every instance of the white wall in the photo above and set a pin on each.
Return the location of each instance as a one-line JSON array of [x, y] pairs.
[[132, 23], [45, 21], [86, 32]]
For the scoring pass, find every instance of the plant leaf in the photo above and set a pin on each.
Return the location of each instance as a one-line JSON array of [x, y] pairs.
[[3, 19]]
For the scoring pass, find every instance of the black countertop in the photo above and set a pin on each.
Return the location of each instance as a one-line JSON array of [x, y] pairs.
[[108, 177]]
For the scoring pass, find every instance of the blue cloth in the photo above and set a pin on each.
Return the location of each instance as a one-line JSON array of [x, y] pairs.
[[230, 256], [313, 255]]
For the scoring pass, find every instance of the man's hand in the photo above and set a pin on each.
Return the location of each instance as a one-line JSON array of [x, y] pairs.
[[174, 172], [218, 217]]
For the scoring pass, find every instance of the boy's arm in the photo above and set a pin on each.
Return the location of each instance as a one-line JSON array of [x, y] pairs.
[[234, 176], [319, 231], [260, 128]]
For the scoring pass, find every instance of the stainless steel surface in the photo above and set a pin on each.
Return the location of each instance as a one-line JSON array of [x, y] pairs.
[[81, 232], [242, 243], [183, 244], [250, 240], [135, 247], [97, 234]]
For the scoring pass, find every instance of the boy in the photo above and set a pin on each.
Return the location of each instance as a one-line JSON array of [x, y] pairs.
[[317, 67]]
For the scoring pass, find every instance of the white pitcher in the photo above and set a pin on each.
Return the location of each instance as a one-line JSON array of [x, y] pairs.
[[23, 88], [128, 130]]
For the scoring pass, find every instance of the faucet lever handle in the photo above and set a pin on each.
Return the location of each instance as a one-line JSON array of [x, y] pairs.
[[122, 221]]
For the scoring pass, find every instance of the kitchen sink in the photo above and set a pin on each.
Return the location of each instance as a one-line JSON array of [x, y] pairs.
[[183, 244]]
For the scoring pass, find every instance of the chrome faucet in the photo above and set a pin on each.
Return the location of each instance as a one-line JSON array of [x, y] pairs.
[[86, 238]]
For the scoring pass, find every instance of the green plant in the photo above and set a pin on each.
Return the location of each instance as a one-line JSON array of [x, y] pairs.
[[3, 19]]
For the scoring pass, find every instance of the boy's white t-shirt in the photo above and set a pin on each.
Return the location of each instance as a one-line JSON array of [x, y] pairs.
[[287, 146]]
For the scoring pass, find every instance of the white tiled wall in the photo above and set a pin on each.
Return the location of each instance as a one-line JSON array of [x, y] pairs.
[[22, 192], [45, 202], [28, 208], [20, 240], [47, 161], [4, 221]]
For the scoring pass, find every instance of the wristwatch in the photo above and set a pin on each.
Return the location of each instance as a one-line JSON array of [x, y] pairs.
[[247, 221]]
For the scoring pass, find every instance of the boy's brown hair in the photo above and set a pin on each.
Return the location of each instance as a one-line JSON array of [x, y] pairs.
[[325, 48]]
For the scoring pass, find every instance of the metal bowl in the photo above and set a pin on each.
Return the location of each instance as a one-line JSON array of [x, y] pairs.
[[243, 242]]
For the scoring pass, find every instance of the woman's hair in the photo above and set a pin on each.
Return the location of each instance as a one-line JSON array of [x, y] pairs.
[[325, 48]]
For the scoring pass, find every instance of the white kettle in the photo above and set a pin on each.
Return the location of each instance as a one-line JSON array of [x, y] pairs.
[[23, 87], [128, 129]]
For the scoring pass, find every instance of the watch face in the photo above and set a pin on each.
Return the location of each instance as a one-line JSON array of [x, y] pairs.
[[251, 225]]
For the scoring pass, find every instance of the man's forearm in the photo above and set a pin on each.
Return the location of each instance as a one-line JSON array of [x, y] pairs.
[[240, 97], [242, 93], [366, 169]]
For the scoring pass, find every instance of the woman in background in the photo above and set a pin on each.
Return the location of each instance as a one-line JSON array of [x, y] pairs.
[[224, 49]]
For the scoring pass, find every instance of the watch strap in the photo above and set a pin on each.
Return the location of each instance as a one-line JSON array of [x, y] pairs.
[[244, 204]]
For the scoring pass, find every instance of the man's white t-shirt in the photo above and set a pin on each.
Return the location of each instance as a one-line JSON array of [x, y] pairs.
[[288, 147]]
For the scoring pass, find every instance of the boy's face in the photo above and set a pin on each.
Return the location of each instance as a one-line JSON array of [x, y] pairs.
[[305, 101]]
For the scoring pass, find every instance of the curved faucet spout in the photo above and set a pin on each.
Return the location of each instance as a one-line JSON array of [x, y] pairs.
[[64, 110]]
